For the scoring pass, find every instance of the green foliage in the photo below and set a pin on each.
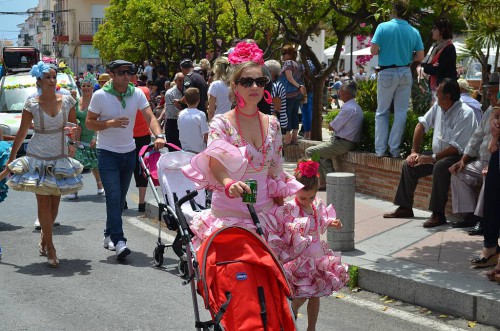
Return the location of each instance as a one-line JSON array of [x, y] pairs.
[[330, 116], [421, 97], [367, 95], [353, 276], [367, 142]]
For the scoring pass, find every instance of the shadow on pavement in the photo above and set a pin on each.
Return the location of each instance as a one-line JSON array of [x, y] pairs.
[[9, 227], [67, 268]]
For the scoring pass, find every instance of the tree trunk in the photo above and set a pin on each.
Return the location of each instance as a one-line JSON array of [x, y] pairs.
[[317, 109]]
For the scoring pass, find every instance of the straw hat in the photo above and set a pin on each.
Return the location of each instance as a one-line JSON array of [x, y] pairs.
[[464, 85], [103, 78]]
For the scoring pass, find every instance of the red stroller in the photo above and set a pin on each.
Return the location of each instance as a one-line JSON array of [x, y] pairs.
[[242, 283]]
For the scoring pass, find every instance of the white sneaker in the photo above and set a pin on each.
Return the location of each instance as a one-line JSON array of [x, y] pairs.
[[100, 191], [72, 196], [38, 227], [121, 250], [108, 244]]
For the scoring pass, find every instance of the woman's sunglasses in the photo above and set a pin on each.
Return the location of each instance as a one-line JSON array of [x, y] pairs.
[[248, 81]]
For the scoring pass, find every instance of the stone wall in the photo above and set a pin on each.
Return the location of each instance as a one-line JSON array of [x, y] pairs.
[[377, 177]]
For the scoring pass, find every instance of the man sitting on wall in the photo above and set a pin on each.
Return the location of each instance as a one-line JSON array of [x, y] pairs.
[[453, 123], [346, 131]]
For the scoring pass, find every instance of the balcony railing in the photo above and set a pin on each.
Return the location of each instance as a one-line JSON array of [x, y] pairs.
[[88, 29]]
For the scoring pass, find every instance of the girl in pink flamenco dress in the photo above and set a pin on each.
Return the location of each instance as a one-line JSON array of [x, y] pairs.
[[245, 144], [318, 270]]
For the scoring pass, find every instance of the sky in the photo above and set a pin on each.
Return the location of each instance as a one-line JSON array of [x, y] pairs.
[[8, 23]]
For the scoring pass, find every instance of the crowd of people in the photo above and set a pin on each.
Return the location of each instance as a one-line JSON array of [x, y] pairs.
[[233, 121]]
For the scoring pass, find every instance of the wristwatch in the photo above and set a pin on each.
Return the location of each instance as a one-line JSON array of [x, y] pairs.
[[161, 136], [434, 157]]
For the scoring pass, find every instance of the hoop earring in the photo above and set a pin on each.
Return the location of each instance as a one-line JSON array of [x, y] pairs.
[[267, 97], [239, 100]]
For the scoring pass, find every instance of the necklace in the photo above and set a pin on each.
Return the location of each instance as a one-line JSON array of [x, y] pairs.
[[314, 215], [237, 118], [247, 115]]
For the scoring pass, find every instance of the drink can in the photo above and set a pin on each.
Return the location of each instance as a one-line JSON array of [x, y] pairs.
[[250, 197]]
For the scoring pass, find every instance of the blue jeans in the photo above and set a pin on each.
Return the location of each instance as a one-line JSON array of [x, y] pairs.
[[116, 171], [393, 84], [306, 109], [292, 111]]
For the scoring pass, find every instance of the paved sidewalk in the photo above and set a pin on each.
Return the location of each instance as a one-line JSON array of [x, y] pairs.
[[424, 267]]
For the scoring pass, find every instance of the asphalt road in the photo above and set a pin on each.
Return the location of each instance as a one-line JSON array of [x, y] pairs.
[[91, 290]]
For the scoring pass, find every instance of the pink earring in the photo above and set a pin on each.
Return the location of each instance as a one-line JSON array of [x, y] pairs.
[[239, 100], [267, 97]]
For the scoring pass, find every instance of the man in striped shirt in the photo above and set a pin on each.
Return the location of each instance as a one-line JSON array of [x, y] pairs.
[[278, 94]]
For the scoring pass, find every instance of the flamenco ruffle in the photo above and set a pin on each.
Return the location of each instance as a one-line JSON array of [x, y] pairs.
[[54, 177], [309, 277], [285, 244], [283, 187], [229, 155], [87, 157]]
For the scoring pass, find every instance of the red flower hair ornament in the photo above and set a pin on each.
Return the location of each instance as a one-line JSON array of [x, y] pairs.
[[245, 52], [308, 168]]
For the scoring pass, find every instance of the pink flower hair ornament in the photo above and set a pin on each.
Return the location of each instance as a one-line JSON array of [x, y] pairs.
[[308, 168], [245, 52]]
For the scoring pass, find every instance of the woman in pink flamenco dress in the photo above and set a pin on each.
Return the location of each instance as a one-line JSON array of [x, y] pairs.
[[317, 271], [245, 144]]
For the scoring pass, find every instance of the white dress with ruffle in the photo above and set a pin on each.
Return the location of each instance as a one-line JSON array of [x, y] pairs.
[[46, 168], [244, 161]]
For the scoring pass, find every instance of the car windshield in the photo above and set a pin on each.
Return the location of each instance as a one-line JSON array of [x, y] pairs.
[[16, 89], [12, 100]]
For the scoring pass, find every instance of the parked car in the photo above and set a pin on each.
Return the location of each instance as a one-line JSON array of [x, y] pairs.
[[14, 90]]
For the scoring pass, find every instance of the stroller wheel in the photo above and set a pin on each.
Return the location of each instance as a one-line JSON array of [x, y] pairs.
[[158, 256], [182, 265]]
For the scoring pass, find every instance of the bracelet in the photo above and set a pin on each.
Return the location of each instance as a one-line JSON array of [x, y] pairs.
[[227, 187]]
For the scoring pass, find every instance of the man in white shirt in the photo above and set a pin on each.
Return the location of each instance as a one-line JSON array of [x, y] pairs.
[[112, 112], [453, 123], [193, 127]]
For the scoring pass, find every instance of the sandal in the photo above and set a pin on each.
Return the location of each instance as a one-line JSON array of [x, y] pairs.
[[42, 248], [100, 191], [483, 262], [53, 263], [492, 275]]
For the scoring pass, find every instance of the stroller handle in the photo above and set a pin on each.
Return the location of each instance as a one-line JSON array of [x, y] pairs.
[[178, 210], [187, 197]]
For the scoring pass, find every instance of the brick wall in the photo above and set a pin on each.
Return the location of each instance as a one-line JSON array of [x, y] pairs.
[[377, 177]]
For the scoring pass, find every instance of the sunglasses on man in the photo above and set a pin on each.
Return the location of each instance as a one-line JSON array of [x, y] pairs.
[[249, 81], [121, 73]]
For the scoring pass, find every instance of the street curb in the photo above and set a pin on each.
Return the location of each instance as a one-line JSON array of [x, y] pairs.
[[449, 293]]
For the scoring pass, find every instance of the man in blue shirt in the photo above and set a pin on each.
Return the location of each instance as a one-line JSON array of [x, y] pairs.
[[397, 45]]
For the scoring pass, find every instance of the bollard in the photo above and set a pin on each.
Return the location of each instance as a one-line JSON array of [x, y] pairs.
[[340, 189]]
